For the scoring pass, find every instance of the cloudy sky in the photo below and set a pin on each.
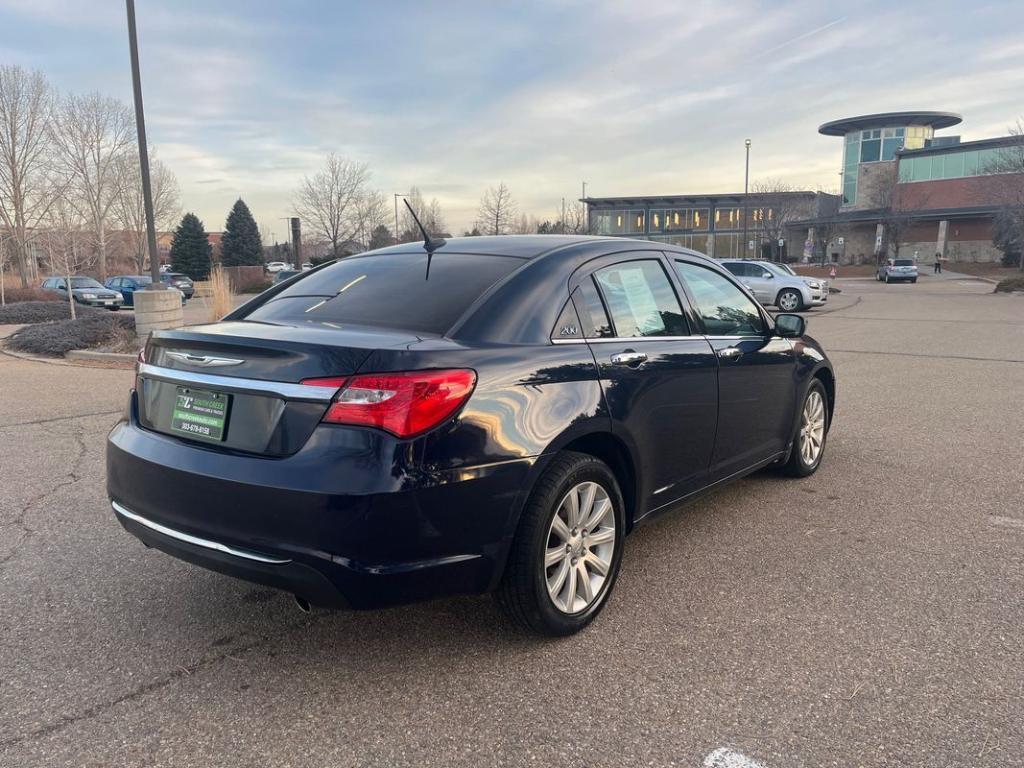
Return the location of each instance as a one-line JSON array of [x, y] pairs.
[[244, 98]]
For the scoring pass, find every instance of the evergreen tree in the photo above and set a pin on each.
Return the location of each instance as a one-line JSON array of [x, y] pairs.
[[240, 245], [380, 237], [190, 248]]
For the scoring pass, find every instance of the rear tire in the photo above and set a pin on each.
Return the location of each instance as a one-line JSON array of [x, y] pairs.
[[530, 586], [810, 434], [914, 280]]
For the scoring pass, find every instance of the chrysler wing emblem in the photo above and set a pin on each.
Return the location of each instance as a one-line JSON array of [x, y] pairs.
[[204, 361]]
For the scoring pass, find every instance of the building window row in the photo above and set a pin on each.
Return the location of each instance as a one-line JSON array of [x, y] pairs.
[[953, 165], [680, 219], [625, 222]]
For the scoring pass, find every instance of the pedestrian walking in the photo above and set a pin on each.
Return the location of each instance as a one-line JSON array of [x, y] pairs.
[[832, 272], [937, 267]]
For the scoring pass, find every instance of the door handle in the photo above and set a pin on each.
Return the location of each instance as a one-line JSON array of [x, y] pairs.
[[730, 353], [630, 358]]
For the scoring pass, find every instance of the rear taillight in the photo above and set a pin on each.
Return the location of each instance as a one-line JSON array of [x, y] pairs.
[[404, 404]]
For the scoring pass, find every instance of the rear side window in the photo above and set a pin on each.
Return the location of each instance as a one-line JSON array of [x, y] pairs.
[[641, 300], [723, 307], [389, 290]]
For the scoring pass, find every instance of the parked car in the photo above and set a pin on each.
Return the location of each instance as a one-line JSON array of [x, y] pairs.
[[896, 270], [496, 415], [127, 285], [790, 293], [84, 290], [277, 266], [180, 281], [819, 286], [285, 274]]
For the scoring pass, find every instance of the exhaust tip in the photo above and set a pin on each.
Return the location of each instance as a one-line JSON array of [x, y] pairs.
[[303, 604]]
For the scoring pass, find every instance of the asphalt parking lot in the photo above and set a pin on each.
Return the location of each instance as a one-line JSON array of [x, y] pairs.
[[868, 616]]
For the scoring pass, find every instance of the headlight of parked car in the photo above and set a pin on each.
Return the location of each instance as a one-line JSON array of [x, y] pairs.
[[88, 295], [814, 284]]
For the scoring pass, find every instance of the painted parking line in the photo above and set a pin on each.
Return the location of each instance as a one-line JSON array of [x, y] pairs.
[[724, 757]]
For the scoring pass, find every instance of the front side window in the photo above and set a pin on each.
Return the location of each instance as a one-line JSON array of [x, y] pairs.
[[641, 300], [723, 307]]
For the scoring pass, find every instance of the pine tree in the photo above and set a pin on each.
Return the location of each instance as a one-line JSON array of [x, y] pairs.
[[240, 245], [380, 237], [190, 248]]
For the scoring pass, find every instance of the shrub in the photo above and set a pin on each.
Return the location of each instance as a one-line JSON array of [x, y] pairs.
[[257, 287], [1010, 284], [14, 295], [220, 295], [56, 339], [26, 312]]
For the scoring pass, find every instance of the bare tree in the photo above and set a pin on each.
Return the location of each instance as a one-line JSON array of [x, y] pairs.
[[898, 214], [26, 159], [329, 201], [575, 218], [497, 212], [92, 133], [774, 212], [1008, 169], [129, 208], [65, 243], [371, 212], [430, 214]]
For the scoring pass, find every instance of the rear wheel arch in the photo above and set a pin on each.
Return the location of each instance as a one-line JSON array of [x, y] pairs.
[[613, 451]]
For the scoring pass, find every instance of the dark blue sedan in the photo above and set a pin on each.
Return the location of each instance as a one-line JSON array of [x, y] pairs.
[[497, 414], [127, 285]]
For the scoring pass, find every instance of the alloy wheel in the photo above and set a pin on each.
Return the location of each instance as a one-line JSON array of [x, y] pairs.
[[580, 545], [812, 428], [789, 301]]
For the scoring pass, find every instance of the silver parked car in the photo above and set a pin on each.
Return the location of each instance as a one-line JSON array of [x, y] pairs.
[[895, 270], [771, 284]]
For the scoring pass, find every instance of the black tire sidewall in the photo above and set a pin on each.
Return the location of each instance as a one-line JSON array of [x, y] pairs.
[[591, 470], [796, 462]]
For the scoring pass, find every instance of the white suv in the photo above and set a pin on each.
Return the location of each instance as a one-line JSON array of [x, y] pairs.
[[771, 284]]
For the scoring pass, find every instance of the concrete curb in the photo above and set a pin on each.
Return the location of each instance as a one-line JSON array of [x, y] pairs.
[[62, 361], [104, 357]]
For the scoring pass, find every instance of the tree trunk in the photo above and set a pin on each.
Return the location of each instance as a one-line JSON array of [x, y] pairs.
[[71, 297], [101, 251]]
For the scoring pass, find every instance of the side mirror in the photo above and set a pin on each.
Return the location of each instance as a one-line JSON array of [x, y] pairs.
[[767, 275], [790, 326]]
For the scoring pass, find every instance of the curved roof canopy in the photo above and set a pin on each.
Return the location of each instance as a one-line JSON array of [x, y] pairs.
[[889, 119]]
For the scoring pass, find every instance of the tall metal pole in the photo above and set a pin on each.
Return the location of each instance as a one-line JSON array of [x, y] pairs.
[[586, 210], [396, 216], [746, 181], [140, 127]]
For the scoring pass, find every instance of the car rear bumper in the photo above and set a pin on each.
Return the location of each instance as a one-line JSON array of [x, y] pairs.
[[312, 523]]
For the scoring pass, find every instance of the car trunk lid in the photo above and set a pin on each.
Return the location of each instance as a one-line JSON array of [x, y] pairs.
[[238, 385]]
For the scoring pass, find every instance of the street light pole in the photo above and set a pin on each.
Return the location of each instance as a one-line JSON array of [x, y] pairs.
[[746, 182], [586, 210], [140, 127], [397, 195]]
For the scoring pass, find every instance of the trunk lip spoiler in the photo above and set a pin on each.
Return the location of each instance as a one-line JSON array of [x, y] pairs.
[[284, 389]]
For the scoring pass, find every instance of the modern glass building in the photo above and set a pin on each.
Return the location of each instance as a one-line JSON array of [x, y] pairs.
[[711, 224], [877, 138]]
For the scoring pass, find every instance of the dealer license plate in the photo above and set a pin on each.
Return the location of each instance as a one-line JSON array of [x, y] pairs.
[[200, 413]]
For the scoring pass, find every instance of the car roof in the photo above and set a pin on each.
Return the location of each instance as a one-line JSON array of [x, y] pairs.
[[521, 246]]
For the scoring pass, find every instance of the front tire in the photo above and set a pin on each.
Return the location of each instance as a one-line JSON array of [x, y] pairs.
[[566, 554], [811, 430], [789, 300]]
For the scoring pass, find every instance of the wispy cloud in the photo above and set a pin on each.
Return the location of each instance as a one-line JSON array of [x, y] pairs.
[[245, 98]]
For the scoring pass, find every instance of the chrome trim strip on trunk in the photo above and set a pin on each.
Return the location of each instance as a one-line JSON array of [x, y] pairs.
[[189, 539], [233, 384]]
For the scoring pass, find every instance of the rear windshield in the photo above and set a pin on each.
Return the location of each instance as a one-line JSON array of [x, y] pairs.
[[389, 290], [903, 263], [84, 282]]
